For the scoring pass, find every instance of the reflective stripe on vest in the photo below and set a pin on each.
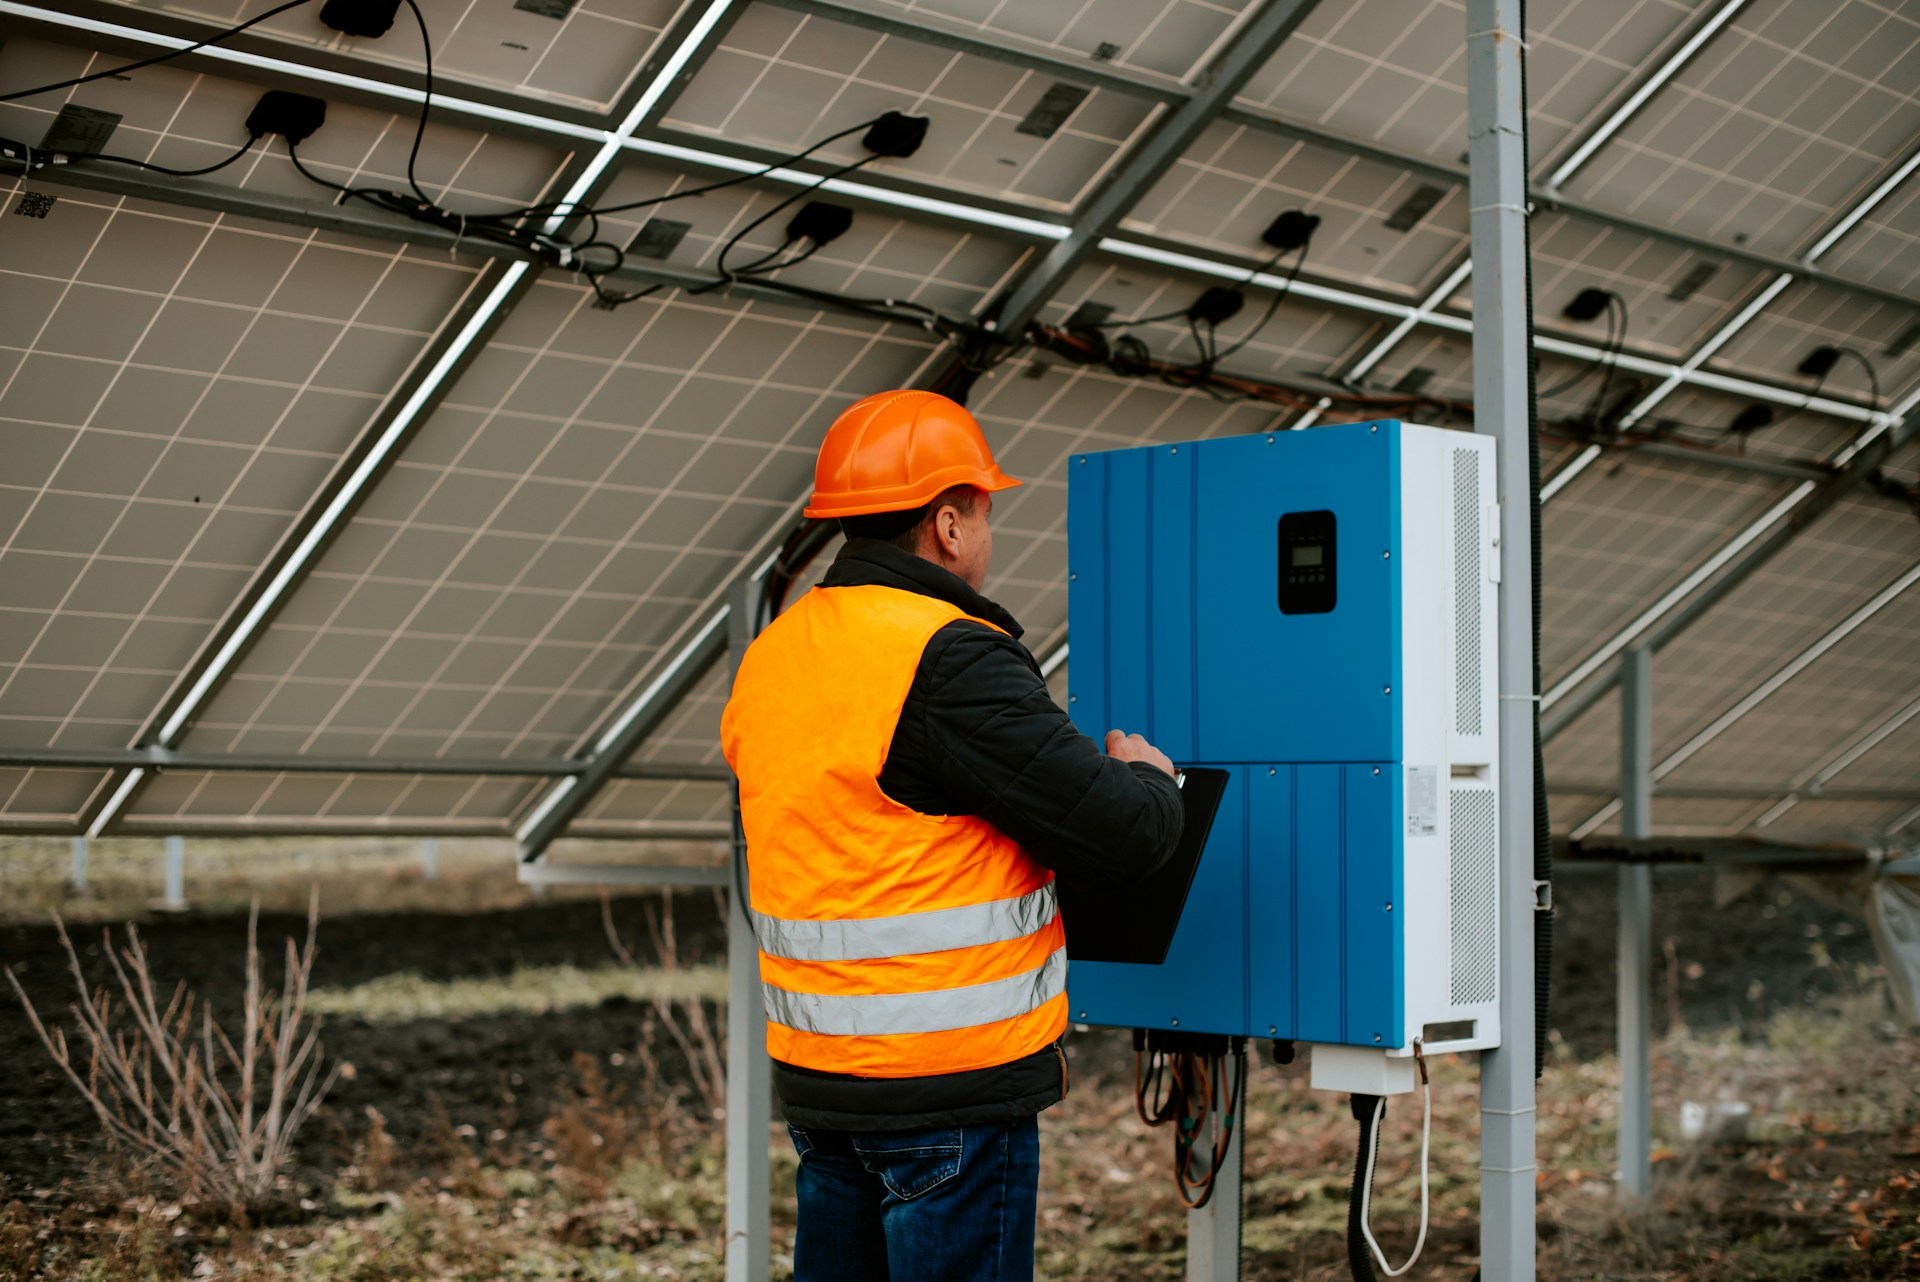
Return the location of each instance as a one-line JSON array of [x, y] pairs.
[[890, 1014], [863, 939]]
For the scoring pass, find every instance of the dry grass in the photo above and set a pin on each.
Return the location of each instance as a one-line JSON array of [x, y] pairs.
[[404, 996]]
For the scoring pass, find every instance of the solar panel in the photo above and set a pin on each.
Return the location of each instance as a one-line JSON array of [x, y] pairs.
[[178, 377]]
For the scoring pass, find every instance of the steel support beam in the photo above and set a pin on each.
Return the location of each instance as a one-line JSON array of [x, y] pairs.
[[1635, 942], [360, 826], [1256, 40], [1791, 669], [1262, 121], [1753, 464], [498, 290], [408, 826], [1213, 1231], [245, 763], [1837, 227], [1814, 783], [1736, 561], [259, 56], [1642, 88], [174, 895], [1733, 852], [265, 60], [930, 28], [400, 90], [1740, 792], [376, 225], [1497, 203], [680, 674], [1253, 44], [544, 874], [749, 1074], [1786, 273], [1765, 690], [326, 513], [1238, 272], [258, 60]]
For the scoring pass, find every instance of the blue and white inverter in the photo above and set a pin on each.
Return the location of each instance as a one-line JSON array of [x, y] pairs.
[[1313, 612]]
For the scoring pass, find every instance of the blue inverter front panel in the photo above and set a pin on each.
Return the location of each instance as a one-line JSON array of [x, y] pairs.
[[1238, 601]]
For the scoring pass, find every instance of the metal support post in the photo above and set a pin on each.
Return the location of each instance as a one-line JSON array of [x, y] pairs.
[[749, 1075], [79, 863], [1213, 1231], [1636, 922], [1497, 196], [175, 899], [430, 859]]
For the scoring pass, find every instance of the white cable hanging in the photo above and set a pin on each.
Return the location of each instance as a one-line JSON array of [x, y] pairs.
[[1373, 1152]]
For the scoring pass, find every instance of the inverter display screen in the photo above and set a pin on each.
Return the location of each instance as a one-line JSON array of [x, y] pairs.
[[1307, 581]]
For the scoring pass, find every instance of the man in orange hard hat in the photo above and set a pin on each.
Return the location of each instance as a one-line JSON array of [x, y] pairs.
[[908, 790]]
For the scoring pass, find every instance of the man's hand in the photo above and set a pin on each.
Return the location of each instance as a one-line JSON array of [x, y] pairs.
[[1133, 747]]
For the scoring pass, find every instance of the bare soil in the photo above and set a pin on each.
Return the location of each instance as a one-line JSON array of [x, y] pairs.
[[505, 1073], [499, 1080], [1736, 966]]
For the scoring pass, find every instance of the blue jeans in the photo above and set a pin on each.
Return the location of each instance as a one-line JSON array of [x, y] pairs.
[[953, 1204]]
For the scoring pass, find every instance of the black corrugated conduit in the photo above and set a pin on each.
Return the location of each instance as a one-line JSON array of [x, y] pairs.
[[1542, 822]]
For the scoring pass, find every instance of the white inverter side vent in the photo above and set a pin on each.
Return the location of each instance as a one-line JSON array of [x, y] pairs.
[[1473, 871], [1466, 593]]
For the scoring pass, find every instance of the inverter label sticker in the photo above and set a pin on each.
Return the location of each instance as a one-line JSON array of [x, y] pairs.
[[1423, 801]]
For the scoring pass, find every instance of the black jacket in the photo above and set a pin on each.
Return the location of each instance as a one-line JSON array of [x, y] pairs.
[[980, 735]]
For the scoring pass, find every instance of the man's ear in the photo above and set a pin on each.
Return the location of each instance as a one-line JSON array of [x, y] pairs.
[[946, 528]]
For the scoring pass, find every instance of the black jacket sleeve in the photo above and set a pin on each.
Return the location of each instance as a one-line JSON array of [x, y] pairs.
[[981, 735]]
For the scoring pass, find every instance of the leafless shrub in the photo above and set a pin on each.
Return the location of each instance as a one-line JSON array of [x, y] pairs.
[[594, 1130], [375, 1157], [215, 1116], [684, 1018]]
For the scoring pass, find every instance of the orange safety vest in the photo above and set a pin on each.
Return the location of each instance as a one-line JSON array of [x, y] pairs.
[[892, 943]]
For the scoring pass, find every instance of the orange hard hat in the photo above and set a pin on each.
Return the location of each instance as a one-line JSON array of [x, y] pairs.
[[895, 451]]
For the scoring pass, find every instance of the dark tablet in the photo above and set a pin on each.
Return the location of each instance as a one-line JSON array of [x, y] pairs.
[[1135, 922]]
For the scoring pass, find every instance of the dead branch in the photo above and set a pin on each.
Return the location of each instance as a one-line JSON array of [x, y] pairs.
[[685, 1018]]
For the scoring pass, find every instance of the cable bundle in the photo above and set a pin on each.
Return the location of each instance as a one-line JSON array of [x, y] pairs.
[[1186, 1080]]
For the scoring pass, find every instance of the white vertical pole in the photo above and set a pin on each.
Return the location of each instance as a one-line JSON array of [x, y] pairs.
[[430, 859], [749, 1074], [176, 894], [1213, 1231], [79, 875], [1497, 211], [1636, 923]]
